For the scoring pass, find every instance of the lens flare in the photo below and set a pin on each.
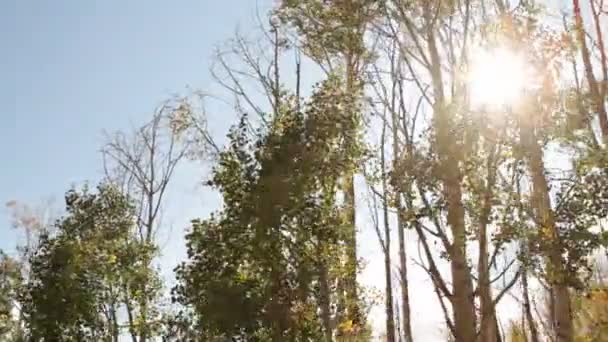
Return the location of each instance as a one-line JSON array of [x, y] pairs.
[[496, 78]]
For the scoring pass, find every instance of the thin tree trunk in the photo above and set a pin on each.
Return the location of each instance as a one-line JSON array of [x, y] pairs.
[[324, 302], [390, 320], [488, 325], [534, 335], [599, 36], [597, 96], [405, 300], [114, 318], [528, 307], [130, 316], [499, 332], [398, 322]]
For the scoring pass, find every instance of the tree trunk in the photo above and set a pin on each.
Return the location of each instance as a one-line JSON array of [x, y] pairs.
[[390, 319], [352, 298], [130, 317], [542, 205], [462, 294], [599, 37], [405, 300], [114, 321], [563, 315], [324, 302], [597, 96], [462, 300], [528, 307], [488, 332], [489, 321]]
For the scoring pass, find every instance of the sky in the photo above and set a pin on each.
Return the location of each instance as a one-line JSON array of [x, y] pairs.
[[70, 69]]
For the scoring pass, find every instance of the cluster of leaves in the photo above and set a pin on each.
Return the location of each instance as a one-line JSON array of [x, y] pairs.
[[10, 281], [580, 207], [591, 314], [330, 28]]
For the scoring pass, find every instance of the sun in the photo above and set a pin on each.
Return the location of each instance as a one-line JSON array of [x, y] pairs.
[[496, 78]]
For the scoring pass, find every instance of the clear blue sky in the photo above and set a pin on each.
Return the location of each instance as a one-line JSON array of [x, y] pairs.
[[72, 68]]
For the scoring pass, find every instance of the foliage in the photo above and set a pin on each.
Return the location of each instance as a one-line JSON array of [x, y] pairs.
[[330, 28], [580, 207], [591, 314], [10, 281], [516, 333], [255, 269], [82, 269]]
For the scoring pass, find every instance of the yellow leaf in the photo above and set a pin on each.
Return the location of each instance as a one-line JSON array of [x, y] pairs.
[[346, 326]]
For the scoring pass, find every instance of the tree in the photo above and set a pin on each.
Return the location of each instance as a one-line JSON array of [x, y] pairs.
[[142, 165], [384, 235], [590, 319], [10, 281], [436, 160], [83, 267], [274, 249], [31, 223], [333, 33]]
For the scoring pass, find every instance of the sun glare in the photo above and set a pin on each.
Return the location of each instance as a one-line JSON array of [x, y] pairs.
[[496, 78]]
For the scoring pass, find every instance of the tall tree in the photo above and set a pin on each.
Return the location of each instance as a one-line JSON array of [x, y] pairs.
[[384, 235], [142, 166], [333, 33], [275, 246], [422, 24]]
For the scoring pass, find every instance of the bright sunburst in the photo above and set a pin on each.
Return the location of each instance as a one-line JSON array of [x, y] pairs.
[[497, 78]]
